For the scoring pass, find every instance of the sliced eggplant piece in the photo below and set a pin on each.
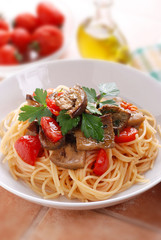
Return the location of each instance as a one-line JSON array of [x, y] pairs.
[[33, 129], [31, 101], [68, 157], [63, 101], [47, 143], [136, 119], [84, 143], [120, 117], [74, 100], [70, 138]]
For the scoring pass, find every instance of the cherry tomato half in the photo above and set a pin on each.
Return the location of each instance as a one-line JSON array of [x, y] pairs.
[[127, 135], [52, 106], [50, 91], [28, 148], [128, 106], [102, 163], [51, 129]]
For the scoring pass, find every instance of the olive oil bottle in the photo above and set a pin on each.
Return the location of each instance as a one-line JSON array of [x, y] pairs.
[[100, 38]]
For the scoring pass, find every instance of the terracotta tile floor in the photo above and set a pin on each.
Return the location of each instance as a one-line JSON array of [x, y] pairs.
[[16, 215], [139, 218]]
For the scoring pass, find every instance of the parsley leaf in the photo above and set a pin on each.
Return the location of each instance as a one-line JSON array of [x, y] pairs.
[[91, 94], [92, 127], [109, 101], [66, 122], [108, 89], [92, 108], [32, 113], [36, 112], [40, 96]]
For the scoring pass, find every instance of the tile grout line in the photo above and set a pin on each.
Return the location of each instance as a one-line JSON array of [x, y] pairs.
[[128, 220], [36, 221]]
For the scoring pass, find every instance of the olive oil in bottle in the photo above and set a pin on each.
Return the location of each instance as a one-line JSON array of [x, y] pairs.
[[100, 38]]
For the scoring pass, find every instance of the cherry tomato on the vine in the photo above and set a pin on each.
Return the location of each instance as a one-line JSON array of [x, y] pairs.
[[47, 39], [4, 37], [9, 55], [27, 21], [21, 38], [49, 14], [4, 25]]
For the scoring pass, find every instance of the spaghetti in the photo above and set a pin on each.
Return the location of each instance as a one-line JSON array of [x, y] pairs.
[[127, 162]]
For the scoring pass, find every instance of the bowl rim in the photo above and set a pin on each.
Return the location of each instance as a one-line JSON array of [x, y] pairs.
[[81, 205]]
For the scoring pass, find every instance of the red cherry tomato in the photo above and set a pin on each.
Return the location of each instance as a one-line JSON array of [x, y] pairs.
[[47, 39], [128, 106], [21, 38], [48, 14], [4, 25], [102, 163], [9, 55], [51, 129], [28, 148], [4, 37], [52, 106], [127, 135], [50, 91], [27, 21]]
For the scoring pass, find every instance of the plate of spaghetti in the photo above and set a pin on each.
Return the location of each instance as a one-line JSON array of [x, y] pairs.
[[79, 134]]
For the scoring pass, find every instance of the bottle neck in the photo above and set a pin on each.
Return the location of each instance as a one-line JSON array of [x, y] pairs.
[[103, 12]]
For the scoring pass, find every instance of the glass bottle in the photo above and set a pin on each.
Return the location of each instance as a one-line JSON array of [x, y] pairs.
[[99, 37]]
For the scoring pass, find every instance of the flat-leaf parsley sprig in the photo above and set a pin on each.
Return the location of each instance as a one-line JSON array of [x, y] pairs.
[[106, 89], [32, 113], [91, 125], [66, 122]]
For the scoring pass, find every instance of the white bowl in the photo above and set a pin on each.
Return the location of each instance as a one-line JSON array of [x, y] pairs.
[[30, 6], [134, 86]]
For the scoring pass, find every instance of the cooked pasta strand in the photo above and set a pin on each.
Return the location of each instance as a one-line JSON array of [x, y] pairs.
[[127, 161]]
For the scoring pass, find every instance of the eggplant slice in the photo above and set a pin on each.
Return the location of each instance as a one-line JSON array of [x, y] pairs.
[[31, 101], [33, 129], [84, 143], [136, 117], [68, 157], [74, 100], [120, 117]]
